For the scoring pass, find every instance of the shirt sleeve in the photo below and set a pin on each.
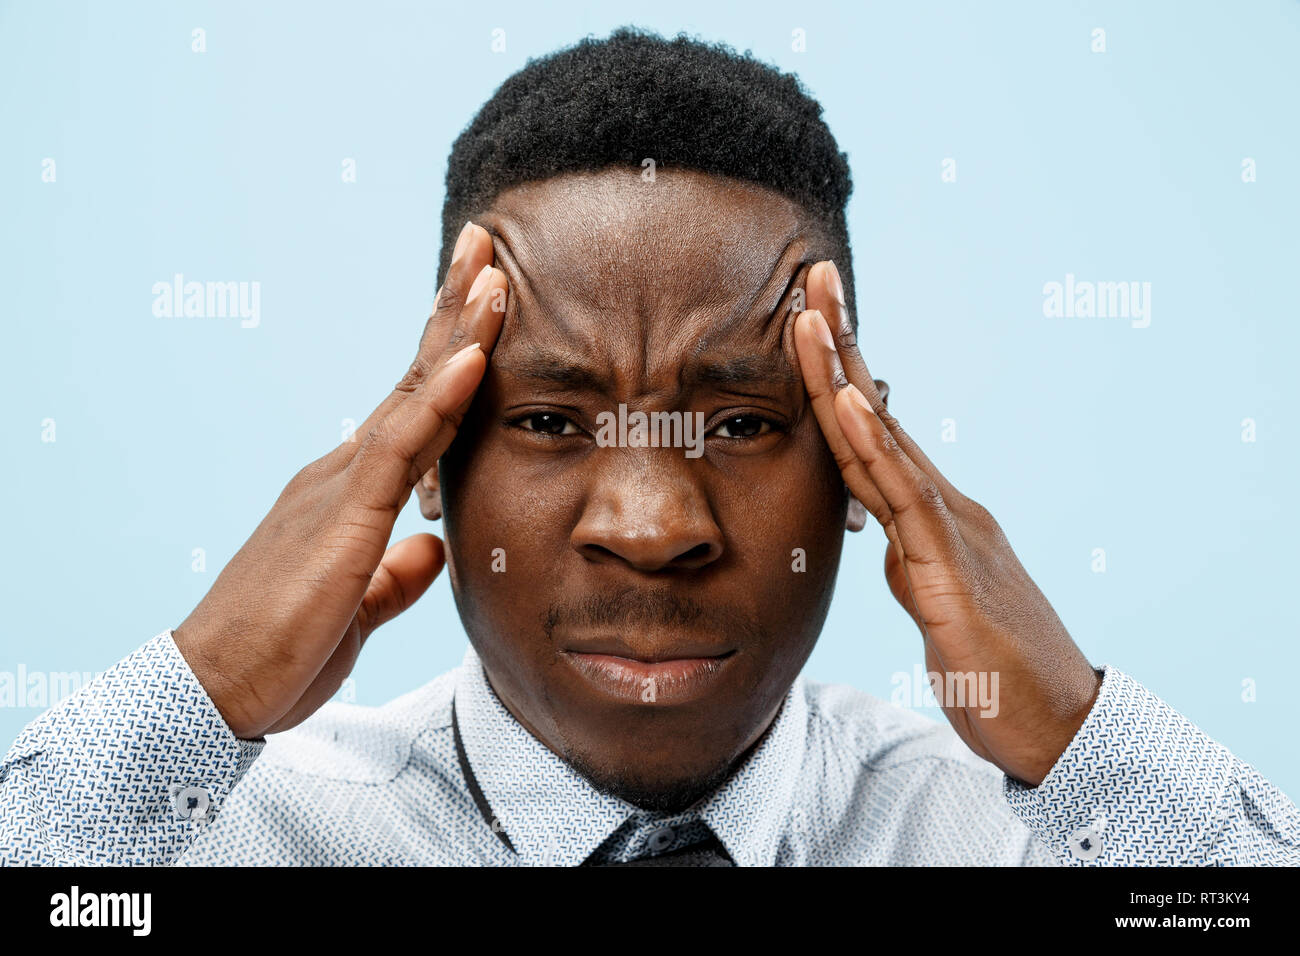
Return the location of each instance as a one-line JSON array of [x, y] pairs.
[[1140, 785], [124, 771]]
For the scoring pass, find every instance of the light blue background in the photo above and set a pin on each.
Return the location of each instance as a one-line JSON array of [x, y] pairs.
[[1077, 434]]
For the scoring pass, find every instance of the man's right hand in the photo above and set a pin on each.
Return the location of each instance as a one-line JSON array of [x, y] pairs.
[[283, 624]]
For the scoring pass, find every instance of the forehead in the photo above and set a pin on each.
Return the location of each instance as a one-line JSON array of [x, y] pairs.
[[608, 263]]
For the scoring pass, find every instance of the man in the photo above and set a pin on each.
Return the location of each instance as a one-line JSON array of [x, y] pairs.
[[656, 227]]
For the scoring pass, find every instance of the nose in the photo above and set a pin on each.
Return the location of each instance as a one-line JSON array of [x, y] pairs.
[[648, 510]]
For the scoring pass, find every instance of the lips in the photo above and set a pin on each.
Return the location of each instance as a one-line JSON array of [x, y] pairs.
[[656, 673], [650, 651]]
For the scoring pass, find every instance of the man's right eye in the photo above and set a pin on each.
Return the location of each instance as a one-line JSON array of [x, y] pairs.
[[547, 423]]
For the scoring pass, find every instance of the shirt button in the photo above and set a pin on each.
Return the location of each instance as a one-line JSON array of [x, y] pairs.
[[192, 803], [1085, 843], [661, 839]]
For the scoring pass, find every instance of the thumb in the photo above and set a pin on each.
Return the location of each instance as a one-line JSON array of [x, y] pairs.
[[405, 572]]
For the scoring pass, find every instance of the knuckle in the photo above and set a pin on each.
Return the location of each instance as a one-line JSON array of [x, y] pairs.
[[817, 391], [930, 497], [981, 515], [458, 337], [381, 438], [451, 419], [451, 298], [414, 375], [845, 458], [880, 511], [307, 477]]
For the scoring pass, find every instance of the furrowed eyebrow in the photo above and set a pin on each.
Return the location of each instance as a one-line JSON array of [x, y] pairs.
[[742, 370], [550, 369], [553, 370]]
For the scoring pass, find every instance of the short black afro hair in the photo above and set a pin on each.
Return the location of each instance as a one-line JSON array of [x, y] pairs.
[[682, 102]]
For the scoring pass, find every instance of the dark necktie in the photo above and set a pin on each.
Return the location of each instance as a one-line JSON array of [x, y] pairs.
[[710, 852]]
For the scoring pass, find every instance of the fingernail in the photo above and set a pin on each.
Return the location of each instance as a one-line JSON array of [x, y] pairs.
[[823, 331], [837, 287], [463, 238], [480, 281], [859, 399], [462, 354]]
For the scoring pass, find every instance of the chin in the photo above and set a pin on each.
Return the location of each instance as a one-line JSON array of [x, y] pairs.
[[661, 791]]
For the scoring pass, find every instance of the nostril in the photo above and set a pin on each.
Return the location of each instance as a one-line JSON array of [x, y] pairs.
[[698, 553], [694, 557], [598, 552]]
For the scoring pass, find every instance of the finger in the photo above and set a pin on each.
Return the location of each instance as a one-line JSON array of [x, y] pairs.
[[404, 574], [481, 319], [926, 528], [899, 584], [816, 349], [400, 448], [384, 469], [826, 295], [444, 333]]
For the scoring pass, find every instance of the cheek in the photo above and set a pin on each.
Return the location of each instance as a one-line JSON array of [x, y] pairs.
[[788, 540], [792, 499], [506, 530]]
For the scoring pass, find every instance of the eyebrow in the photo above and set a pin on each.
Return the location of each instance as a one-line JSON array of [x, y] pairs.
[[743, 370], [554, 369], [551, 368]]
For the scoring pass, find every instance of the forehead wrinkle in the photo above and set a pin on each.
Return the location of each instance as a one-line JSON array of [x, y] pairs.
[[784, 312], [771, 363], [664, 308], [516, 278], [793, 250], [776, 286]]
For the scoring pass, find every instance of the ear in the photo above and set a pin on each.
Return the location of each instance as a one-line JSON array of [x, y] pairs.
[[430, 494], [883, 388], [857, 516]]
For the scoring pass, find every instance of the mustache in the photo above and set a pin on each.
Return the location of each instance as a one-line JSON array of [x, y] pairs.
[[631, 607]]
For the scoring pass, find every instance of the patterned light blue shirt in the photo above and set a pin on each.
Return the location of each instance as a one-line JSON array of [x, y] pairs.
[[138, 767]]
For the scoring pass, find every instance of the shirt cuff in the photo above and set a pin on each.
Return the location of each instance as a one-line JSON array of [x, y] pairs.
[[123, 769], [1138, 785]]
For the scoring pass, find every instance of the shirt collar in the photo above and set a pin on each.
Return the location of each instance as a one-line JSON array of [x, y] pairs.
[[553, 816]]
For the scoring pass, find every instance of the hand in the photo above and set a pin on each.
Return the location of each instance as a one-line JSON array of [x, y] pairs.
[[285, 620], [947, 562]]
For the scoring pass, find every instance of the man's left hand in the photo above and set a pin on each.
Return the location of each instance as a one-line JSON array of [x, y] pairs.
[[947, 563]]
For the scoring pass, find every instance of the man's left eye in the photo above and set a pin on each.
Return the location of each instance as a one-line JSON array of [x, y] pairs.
[[547, 423], [742, 426]]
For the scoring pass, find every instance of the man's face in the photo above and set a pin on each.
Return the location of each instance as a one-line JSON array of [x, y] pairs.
[[641, 611]]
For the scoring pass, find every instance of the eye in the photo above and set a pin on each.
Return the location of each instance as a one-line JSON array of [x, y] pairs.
[[742, 426], [547, 423]]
